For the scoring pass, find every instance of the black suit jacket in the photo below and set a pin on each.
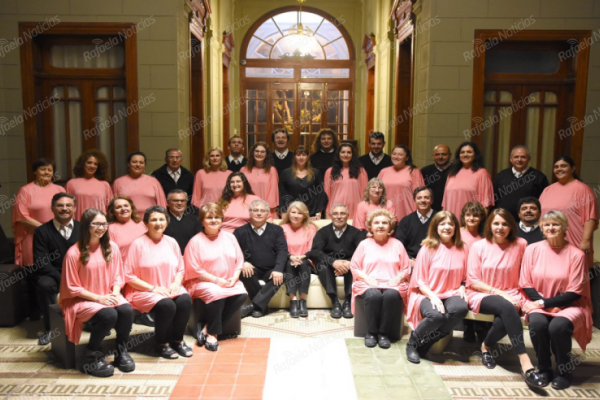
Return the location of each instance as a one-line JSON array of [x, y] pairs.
[[236, 167], [185, 181]]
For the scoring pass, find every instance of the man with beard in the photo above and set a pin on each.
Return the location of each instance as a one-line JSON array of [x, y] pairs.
[[436, 174], [376, 159], [529, 216]]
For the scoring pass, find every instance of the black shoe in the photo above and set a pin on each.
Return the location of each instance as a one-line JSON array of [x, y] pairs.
[[488, 360], [425, 346], [212, 346], [347, 310], [412, 354], [294, 309], [144, 319], [166, 351], [123, 360], [247, 310], [200, 336], [303, 311], [336, 311], [259, 313], [534, 379], [94, 365], [384, 342], [561, 382], [44, 339], [182, 349], [370, 340], [546, 375]]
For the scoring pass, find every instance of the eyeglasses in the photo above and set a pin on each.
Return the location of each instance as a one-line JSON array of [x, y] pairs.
[[99, 225], [258, 210]]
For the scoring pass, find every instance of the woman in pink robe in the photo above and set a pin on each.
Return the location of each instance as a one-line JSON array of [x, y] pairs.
[[154, 271], [125, 224], [299, 233], [211, 179], [577, 201], [468, 180], [90, 290], [493, 288], [262, 175], [89, 186], [555, 279], [380, 268], [213, 263], [144, 190], [235, 201], [472, 221], [33, 208], [374, 198], [346, 180], [436, 293], [401, 180]]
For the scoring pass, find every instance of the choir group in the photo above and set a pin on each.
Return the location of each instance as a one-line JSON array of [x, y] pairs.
[[431, 244]]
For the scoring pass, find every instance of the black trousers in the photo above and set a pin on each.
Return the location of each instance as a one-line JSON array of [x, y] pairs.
[[31, 278], [260, 295], [383, 310], [507, 320], [327, 277], [219, 312], [46, 289], [436, 325], [297, 279], [120, 318], [171, 317], [551, 334]]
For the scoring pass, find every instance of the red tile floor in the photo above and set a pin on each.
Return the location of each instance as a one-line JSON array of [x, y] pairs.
[[236, 371]]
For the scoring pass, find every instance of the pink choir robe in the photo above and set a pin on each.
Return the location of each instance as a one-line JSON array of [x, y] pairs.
[[144, 191], [265, 185], [468, 238], [578, 202], [32, 201], [157, 264], [237, 212], [555, 270], [442, 270], [299, 240], [345, 190], [363, 209], [495, 265], [124, 234], [90, 193], [208, 186], [220, 257], [382, 262], [98, 277], [468, 186], [400, 186]]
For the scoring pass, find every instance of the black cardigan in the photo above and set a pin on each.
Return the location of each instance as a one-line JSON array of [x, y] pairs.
[[185, 181], [508, 189], [50, 248], [265, 252], [372, 169], [411, 232], [327, 248]]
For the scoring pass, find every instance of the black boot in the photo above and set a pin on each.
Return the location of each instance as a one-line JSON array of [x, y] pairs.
[[123, 360], [294, 308], [303, 311], [428, 343], [412, 354], [94, 364]]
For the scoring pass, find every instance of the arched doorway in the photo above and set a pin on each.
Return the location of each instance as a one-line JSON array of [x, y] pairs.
[[297, 72]]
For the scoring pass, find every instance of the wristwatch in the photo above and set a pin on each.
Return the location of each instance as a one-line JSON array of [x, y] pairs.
[[541, 302]]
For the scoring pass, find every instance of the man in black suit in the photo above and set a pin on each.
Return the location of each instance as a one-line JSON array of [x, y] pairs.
[[51, 241], [282, 156], [184, 224], [173, 175], [376, 160], [236, 160], [265, 254], [530, 211], [436, 174], [414, 227]]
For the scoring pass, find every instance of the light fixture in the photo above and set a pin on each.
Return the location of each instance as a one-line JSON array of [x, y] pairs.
[[303, 39]]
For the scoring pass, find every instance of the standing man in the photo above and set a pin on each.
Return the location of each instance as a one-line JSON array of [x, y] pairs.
[[51, 241], [323, 150], [282, 156], [376, 160], [518, 181], [414, 227], [332, 249], [436, 174], [265, 255], [183, 224], [530, 211], [236, 160], [173, 176]]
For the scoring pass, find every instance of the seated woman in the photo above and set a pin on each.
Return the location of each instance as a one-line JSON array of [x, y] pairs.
[[235, 201], [90, 290], [124, 222], [554, 277], [299, 233], [380, 267], [437, 292], [213, 263], [374, 197], [153, 272], [493, 288]]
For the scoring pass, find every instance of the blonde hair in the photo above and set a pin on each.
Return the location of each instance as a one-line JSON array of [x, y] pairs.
[[206, 163], [382, 198], [433, 240], [300, 206], [379, 213], [556, 216], [210, 208]]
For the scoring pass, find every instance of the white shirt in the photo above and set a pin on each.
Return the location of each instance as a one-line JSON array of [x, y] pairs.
[[376, 160], [283, 155], [424, 218], [64, 230], [174, 174], [260, 230], [339, 233], [330, 151], [236, 161], [527, 229], [518, 174], [444, 168]]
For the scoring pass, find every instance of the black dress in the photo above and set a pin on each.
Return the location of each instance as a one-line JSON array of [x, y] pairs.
[[312, 193]]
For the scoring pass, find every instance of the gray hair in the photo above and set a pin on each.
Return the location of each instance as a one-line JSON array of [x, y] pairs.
[[260, 201], [172, 149], [339, 205], [521, 146], [558, 217], [176, 191]]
